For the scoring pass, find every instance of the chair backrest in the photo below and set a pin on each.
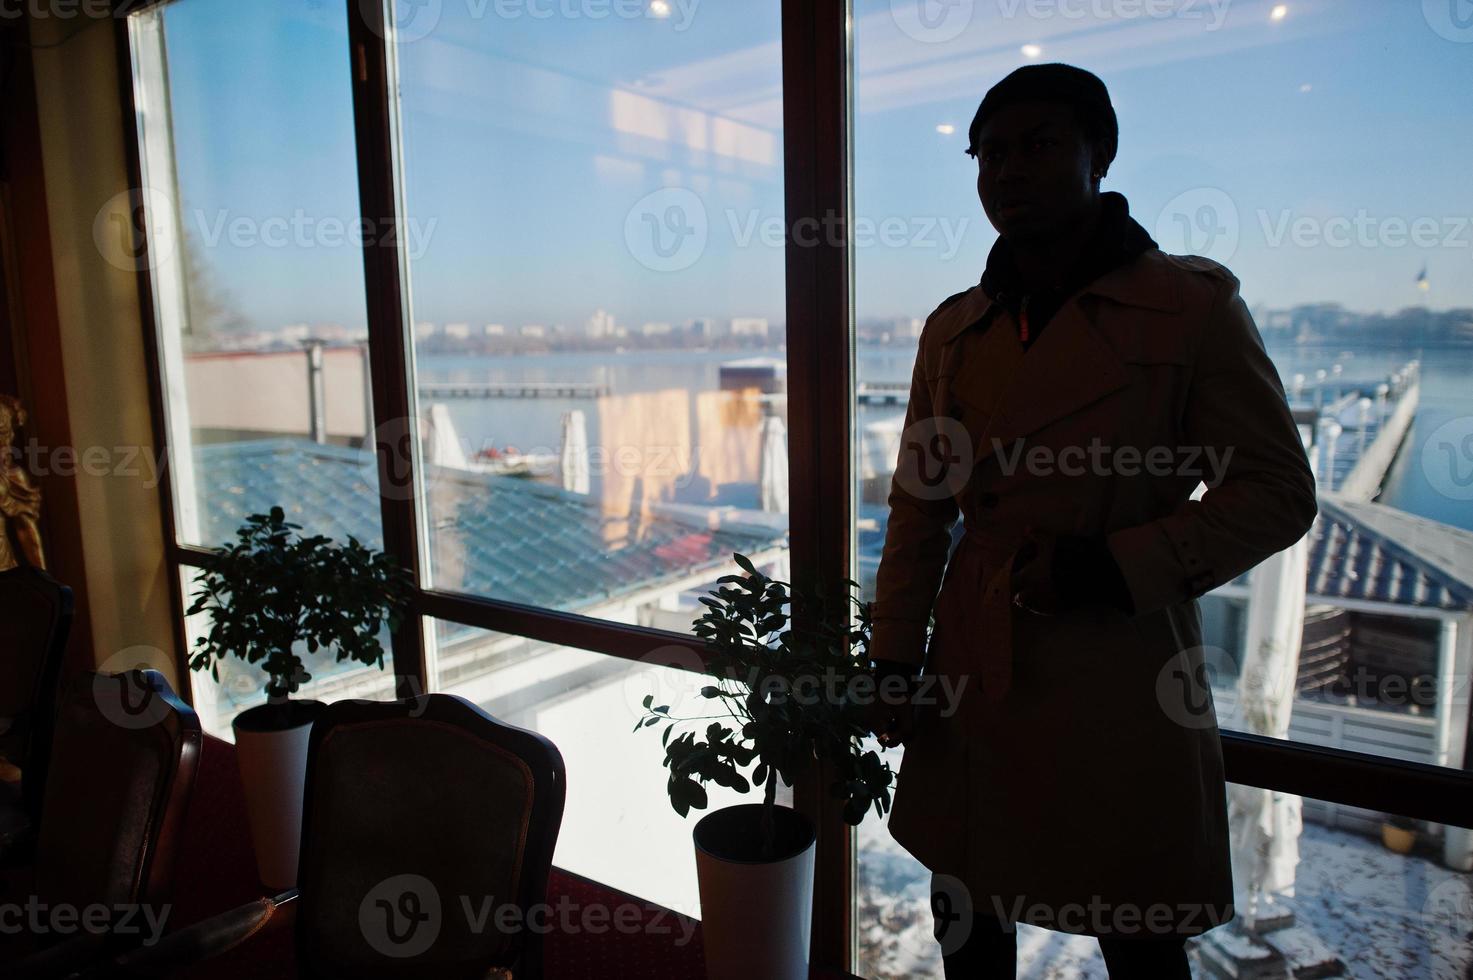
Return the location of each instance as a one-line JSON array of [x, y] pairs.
[[35, 620], [122, 769], [428, 830]]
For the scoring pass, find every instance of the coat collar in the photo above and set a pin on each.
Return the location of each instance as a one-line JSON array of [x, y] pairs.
[[1146, 282]]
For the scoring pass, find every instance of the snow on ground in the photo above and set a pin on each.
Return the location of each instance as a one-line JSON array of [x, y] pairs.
[[1386, 915]]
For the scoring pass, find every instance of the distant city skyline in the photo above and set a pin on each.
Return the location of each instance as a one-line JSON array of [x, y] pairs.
[[1322, 156]]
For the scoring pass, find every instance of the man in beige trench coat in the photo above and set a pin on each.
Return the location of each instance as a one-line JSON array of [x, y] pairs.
[[1076, 782]]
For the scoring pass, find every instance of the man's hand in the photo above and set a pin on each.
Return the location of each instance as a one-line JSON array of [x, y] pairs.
[[1032, 578], [889, 711]]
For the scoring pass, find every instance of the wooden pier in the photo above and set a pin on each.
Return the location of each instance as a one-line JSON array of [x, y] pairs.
[[516, 389]]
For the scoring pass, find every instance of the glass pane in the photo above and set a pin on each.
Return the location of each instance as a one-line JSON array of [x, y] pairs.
[[1353, 281], [1356, 285], [594, 234], [1335, 900], [619, 827], [250, 201]]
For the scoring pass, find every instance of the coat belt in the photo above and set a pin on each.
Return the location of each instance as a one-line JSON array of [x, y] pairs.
[[990, 621]]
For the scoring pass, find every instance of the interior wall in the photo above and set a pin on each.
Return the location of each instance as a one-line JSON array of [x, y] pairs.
[[98, 378]]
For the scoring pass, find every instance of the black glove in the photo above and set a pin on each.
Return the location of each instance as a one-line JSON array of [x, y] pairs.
[[885, 669], [1085, 571]]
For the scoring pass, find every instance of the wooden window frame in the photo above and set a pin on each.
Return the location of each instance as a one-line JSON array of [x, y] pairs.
[[817, 110]]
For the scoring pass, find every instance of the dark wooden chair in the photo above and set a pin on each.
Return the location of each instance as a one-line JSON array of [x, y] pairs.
[[123, 760], [35, 621], [414, 811]]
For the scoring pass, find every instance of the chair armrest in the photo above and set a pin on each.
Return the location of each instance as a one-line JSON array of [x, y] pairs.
[[68, 958], [204, 940]]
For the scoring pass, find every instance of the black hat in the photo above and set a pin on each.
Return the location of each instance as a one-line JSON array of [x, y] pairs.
[[1054, 82]]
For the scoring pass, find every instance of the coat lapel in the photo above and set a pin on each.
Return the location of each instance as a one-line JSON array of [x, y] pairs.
[[1070, 366]]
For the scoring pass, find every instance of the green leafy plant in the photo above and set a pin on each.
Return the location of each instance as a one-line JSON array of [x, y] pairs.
[[273, 588], [785, 692]]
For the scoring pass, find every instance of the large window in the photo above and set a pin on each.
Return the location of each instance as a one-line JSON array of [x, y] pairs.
[[545, 255]]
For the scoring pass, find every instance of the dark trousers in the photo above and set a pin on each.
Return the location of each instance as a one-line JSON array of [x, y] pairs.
[[989, 951]]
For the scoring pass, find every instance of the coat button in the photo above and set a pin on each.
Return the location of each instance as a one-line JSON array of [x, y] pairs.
[[956, 412]]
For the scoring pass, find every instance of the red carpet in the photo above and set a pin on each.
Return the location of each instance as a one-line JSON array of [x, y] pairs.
[[217, 872]]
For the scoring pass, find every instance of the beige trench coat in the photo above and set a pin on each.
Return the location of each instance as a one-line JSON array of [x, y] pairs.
[[1097, 777]]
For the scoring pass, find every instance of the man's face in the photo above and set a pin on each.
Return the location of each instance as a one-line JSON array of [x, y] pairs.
[[1033, 170]]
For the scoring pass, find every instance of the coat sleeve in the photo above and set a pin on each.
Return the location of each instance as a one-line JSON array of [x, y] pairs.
[[1264, 497], [917, 539]]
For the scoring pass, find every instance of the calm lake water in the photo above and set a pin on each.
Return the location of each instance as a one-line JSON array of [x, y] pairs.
[[534, 424]]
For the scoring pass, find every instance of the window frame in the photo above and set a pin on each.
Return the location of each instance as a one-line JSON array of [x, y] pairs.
[[818, 166]]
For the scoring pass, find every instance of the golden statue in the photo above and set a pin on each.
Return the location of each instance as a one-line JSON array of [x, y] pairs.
[[20, 499]]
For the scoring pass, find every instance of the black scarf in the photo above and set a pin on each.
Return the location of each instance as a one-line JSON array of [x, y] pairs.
[[1116, 240]]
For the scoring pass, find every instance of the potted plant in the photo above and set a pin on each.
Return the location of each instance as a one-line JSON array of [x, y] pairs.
[[787, 698], [1399, 834], [270, 593]]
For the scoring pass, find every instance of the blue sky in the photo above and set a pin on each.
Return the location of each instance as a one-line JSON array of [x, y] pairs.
[[532, 146]]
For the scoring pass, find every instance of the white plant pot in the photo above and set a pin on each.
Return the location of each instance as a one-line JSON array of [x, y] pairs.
[[1457, 848], [756, 915], [271, 750]]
